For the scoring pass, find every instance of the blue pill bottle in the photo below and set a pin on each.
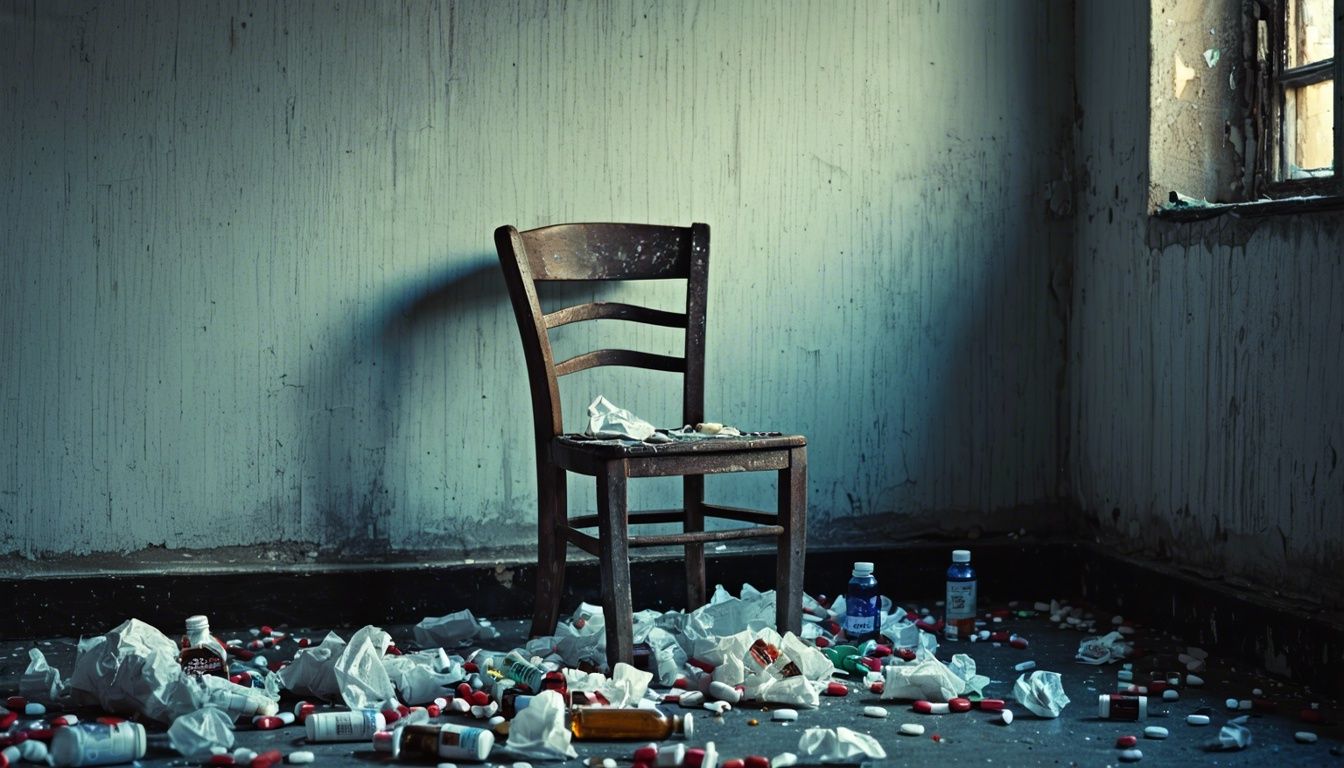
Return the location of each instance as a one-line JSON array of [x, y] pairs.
[[862, 604], [959, 623]]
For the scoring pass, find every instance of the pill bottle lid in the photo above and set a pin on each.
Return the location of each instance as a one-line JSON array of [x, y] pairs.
[[961, 555], [863, 569], [687, 725], [198, 624]]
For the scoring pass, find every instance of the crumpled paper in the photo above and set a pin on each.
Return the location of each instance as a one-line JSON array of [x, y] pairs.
[[1233, 736], [1103, 649], [421, 677], [1042, 693], [361, 674], [930, 679], [607, 420], [452, 631], [625, 688], [195, 733], [837, 745], [133, 669], [313, 670], [539, 732], [41, 682]]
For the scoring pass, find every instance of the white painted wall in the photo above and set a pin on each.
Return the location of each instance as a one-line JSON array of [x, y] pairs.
[[1205, 361], [251, 300]]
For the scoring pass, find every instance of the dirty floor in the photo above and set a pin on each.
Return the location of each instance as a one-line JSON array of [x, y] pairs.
[[1078, 737]]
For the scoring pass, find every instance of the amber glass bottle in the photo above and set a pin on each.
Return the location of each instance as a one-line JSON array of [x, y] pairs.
[[201, 653], [607, 724]]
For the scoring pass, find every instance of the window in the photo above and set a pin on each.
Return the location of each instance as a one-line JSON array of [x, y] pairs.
[[1293, 106]]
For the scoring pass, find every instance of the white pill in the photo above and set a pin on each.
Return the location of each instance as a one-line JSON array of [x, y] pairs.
[[243, 756], [1230, 703], [496, 720], [1024, 666], [1131, 755], [1195, 666], [671, 755], [219, 749], [1171, 694], [724, 692], [692, 699], [718, 707], [1124, 676], [912, 729], [1245, 704], [460, 706], [983, 634], [1174, 681], [302, 757], [33, 751], [1303, 737], [1197, 719], [784, 715], [1117, 620], [34, 708], [446, 765], [782, 760], [522, 765], [874, 712], [609, 762], [1257, 692], [1007, 716], [1194, 680], [485, 712], [286, 717], [1155, 732]]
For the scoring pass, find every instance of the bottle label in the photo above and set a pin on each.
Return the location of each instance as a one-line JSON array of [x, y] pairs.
[[960, 600], [861, 616]]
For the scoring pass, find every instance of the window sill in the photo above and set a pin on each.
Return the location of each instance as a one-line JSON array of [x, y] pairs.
[[1291, 205]]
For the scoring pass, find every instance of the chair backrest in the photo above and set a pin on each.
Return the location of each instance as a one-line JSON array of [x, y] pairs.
[[605, 252]]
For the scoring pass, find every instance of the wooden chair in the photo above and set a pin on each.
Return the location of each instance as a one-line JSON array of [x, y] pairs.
[[608, 252]]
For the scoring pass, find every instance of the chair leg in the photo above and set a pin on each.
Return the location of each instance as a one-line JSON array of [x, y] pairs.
[[552, 548], [614, 563], [792, 543], [693, 499]]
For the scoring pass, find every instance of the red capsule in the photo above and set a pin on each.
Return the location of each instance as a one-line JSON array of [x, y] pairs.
[[111, 720], [40, 734], [757, 761], [242, 678], [267, 722], [480, 698], [822, 642], [734, 763], [703, 666], [404, 710], [681, 682], [646, 754], [1158, 686], [433, 710], [16, 702], [1125, 742], [302, 710], [991, 705], [224, 759], [877, 688], [63, 721], [256, 645], [268, 759], [905, 654], [304, 642], [1000, 636], [836, 688], [1019, 643], [392, 650], [277, 665], [936, 738], [390, 716], [881, 651], [463, 691], [959, 704], [672, 698], [266, 630], [8, 719], [694, 758], [471, 666]]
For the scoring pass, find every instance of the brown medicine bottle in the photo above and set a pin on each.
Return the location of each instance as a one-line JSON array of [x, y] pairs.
[[607, 724], [201, 653]]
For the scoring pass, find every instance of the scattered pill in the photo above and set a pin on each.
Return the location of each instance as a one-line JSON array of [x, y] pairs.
[[1194, 680], [912, 729], [521, 764], [302, 757], [1125, 742], [266, 722], [931, 707], [1131, 755], [718, 707], [16, 702], [1197, 719], [724, 692], [1024, 666], [836, 688], [784, 715], [1245, 704], [757, 761], [1171, 694], [496, 720], [782, 760], [691, 699], [670, 755], [874, 712], [1230, 703], [1155, 732], [646, 754], [34, 709], [460, 706], [991, 705], [959, 704], [1305, 737], [1006, 716]]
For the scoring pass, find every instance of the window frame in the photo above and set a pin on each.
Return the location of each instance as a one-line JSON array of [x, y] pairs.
[[1270, 104]]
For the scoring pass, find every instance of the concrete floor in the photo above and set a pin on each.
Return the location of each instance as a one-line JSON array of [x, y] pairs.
[[1078, 737]]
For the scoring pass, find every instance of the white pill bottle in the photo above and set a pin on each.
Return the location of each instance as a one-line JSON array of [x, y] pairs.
[[356, 725], [97, 744]]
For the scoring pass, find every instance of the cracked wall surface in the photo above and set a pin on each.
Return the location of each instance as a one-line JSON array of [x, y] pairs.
[[251, 299]]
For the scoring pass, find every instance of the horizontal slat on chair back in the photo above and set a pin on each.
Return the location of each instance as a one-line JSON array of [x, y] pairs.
[[627, 357], [624, 251], [611, 310]]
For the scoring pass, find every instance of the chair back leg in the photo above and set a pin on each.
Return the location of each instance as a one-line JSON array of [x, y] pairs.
[[792, 543], [692, 498], [552, 548], [614, 563]]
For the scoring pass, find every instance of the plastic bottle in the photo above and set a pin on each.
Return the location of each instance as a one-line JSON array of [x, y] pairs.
[[201, 653], [604, 723], [97, 744], [431, 743], [1119, 706], [862, 604], [959, 622], [356, 725]]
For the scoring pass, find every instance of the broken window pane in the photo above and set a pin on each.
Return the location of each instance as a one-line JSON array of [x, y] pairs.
[[1310, 128], [1311, 31]]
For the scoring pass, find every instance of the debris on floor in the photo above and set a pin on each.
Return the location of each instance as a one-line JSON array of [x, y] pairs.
[[715, 686]]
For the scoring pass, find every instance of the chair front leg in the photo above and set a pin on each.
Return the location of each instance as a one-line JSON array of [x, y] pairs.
[[552, 548], [614, 562], [693, 500], [792, 543]]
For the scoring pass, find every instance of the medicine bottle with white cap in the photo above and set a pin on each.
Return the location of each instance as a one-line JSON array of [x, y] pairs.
[[201, 653], [862, 604], [959, 622]]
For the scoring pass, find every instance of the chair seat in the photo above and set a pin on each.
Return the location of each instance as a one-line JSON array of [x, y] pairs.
[[615, 449]]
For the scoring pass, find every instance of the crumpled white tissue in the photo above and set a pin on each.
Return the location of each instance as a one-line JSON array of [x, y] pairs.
[[607, 420], [1103, 649], [194, 733], [41, 682], [1234, 735], [133, 669], [1042, 692], [361, 674], [452, 631], [313, 670], [424, 676], [837, 745], [625, 687], [539, 732], [928, 678]]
